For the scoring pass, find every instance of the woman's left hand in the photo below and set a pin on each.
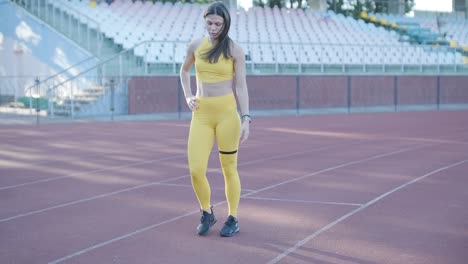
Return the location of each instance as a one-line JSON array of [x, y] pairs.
[[244, 132]]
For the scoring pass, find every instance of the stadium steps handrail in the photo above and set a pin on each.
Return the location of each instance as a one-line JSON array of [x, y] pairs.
[[101, 63], [57, 74]]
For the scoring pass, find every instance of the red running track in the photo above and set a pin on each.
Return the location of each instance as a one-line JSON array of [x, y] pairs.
[[358, 188]]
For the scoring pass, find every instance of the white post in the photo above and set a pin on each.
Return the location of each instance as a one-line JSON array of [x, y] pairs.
[[72, 104]]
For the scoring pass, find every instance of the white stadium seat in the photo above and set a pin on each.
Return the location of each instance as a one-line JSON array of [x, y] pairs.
[[294, 35]]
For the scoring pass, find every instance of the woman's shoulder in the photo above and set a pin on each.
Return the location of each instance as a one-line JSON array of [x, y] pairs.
[[237, 49], [195, 43]]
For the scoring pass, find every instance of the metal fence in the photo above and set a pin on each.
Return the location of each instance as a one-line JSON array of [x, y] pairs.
[[161, 97], [303, 94]]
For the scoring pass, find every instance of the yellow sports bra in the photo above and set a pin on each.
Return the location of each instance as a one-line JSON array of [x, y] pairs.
[[207, 72]]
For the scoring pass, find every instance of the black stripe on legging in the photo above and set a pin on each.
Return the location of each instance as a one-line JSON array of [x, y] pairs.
[[228, 152]]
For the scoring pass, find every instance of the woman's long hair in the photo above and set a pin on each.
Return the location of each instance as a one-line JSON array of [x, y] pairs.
[[224, 41]]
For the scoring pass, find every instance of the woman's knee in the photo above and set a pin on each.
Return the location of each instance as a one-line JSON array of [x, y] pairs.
[[197, 172], [228, 162]]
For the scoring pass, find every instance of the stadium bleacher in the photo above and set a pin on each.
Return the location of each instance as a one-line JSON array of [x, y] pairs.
[[268, 35]]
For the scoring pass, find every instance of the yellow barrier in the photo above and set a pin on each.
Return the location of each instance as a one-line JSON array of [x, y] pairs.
[[92, 3]]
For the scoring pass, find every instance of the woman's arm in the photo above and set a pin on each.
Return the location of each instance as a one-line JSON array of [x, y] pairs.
[[241, 90], [185, 70], [241, 83], [185, 76]]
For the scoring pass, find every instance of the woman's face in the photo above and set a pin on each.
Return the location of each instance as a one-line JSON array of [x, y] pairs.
[[214, 25]]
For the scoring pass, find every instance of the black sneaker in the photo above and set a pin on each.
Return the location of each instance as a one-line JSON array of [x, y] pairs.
[[231, 227], [206, 222]]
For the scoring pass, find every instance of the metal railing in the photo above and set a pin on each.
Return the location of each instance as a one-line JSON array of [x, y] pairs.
[[60, 89], [42, 87], [264, 58], [96, 88]]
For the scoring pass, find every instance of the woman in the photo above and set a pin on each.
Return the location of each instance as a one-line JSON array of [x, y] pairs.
[[218, 63]]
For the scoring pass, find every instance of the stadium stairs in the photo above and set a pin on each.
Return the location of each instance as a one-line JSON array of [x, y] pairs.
[[90, 98]]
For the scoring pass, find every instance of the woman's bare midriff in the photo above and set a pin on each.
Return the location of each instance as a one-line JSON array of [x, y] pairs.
[[214, 89]]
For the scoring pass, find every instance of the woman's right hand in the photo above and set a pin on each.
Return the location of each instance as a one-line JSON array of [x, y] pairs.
[[192, 102]]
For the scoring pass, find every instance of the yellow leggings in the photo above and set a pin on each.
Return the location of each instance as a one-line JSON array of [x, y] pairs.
[[216, 117]]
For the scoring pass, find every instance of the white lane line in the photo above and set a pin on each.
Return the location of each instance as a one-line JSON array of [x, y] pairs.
[[163, 159], [99, 245], [96, 246], [118, 151], [300, 201], [363, 207], [280, 156], [190, 186], [158, 183], [334, 168], [92, 155], [91, 172]]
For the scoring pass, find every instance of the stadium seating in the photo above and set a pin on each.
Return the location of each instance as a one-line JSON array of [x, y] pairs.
[[456, 29], [268, 35]]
